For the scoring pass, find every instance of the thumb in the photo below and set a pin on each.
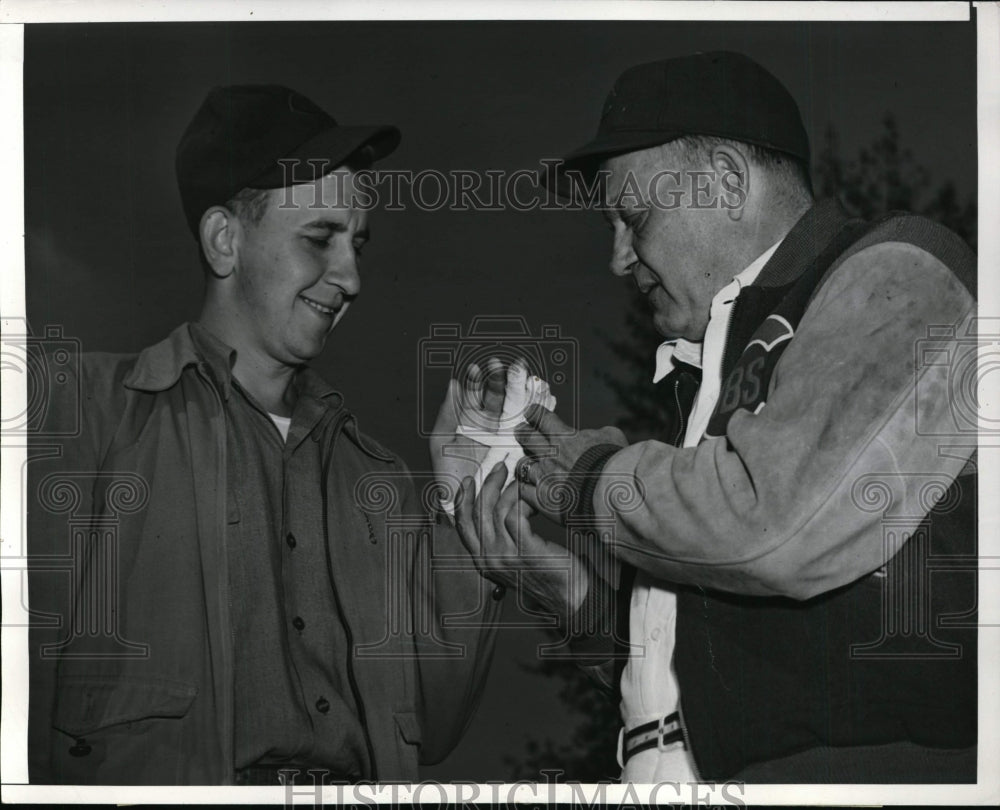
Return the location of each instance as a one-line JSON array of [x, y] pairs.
[[546, 422], [447, 418]]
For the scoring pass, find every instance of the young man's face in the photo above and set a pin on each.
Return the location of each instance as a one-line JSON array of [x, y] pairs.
[[298, 268]]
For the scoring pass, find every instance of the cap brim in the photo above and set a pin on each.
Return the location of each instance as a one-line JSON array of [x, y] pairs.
[[326, 151], [581, 165]]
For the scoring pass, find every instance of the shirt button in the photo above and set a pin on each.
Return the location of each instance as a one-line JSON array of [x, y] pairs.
[[655, 635], [298, 624], [290, 539], [498, 592], [322, 705]]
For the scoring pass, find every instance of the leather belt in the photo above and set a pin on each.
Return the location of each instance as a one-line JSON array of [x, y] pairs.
[[654, 734]]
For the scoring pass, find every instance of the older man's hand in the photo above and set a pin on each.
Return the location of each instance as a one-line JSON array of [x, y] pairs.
[[552, 451], [494, 528]]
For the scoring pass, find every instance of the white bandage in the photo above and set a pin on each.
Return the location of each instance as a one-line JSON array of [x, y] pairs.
[[520, 392]]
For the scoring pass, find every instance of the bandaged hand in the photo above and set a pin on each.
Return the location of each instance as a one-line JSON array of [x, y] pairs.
[[475, 427]]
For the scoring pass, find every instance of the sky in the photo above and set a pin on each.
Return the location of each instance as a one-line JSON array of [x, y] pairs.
[[110, 260]]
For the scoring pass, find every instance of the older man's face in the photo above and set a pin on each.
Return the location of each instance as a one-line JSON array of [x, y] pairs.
[[299, 267], [671, 249]]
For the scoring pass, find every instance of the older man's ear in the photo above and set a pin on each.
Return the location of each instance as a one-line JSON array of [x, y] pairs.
[[732, 173]]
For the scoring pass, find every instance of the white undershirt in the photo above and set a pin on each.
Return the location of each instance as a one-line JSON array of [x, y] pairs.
[[649, 685], [282, 423]]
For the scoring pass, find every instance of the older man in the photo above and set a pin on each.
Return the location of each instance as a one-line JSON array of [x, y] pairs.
[[781, 532], [255, 603]]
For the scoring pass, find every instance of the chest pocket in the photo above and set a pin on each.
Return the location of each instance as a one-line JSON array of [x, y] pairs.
[[86, 705], [121, 731]]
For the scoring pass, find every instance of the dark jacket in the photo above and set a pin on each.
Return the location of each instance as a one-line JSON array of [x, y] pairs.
[[891, 657], [137, 687]]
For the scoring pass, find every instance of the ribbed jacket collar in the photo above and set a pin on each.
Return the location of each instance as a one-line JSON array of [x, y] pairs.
[[803, 243]]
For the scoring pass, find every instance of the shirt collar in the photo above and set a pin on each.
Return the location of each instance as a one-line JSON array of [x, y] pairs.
[[686, 351], [159, 366], [675, 351]]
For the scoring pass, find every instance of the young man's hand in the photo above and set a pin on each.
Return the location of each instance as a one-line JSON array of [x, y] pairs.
[[476, 400], [493, 524]]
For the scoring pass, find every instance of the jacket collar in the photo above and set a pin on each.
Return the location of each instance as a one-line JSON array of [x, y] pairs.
[[803, 243], [159, 366]]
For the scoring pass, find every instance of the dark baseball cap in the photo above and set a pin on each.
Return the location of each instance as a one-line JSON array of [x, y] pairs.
[[239, 134], [720, 93]]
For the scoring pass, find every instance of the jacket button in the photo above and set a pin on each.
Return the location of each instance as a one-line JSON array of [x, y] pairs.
[[498, 592], [290, 539], [298, 624], [81, 749], [322, 705]]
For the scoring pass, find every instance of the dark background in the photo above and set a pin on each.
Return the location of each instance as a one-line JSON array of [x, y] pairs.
[[110, 259]]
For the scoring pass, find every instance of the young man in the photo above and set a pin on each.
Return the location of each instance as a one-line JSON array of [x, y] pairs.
[[251, 588]]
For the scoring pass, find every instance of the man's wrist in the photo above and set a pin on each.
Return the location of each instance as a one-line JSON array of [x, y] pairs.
[[585, 475]]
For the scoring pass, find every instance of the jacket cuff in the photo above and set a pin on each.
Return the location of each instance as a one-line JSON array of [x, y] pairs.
[[590, 635], [585, 474]]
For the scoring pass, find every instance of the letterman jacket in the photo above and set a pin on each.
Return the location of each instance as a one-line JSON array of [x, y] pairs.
[[840, 437]]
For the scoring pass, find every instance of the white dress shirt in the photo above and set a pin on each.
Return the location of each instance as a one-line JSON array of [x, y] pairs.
[[649, 686]]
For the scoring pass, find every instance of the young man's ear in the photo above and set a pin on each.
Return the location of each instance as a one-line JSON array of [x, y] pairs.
[[733, 171], [218, 230]]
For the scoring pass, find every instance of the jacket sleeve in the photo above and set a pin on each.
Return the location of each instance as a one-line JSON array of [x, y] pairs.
[[77, 402], [857, 426], [456, 612], [593, 642]]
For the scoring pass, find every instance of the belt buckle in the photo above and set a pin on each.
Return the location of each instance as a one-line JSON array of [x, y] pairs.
[[661, 732]]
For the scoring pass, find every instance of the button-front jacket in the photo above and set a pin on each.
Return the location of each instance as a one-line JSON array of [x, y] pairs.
[[133, 658]]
